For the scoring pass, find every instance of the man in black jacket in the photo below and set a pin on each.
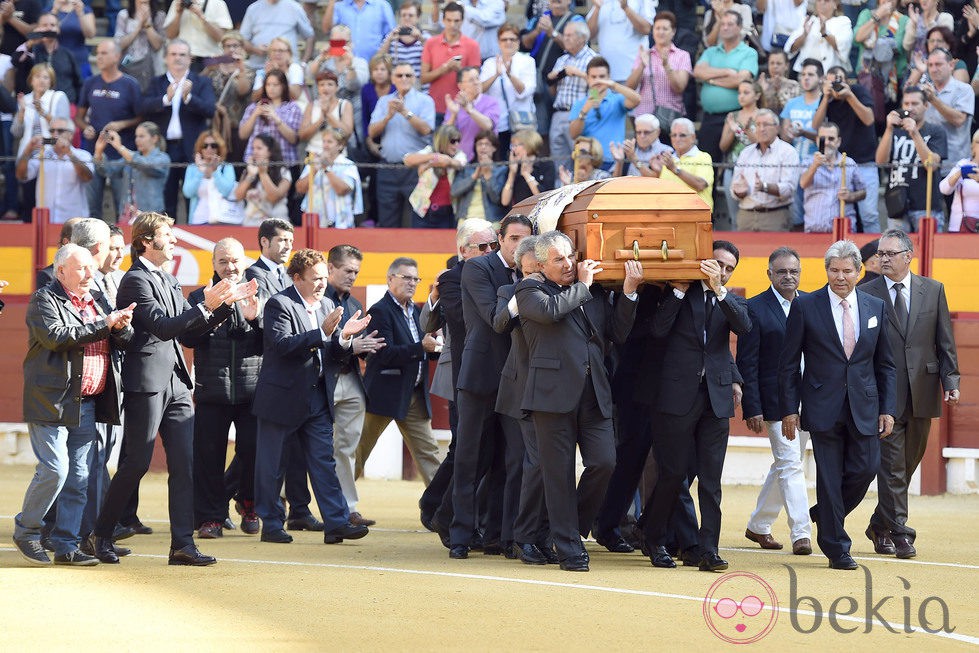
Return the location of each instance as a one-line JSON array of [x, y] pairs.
[[227, 360]]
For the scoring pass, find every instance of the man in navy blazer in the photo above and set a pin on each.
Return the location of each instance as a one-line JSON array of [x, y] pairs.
[[758, 355], [846, 392], [181, 103], [291, 398]]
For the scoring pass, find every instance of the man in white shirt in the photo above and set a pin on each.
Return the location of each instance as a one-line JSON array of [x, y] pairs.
[[67, 171]]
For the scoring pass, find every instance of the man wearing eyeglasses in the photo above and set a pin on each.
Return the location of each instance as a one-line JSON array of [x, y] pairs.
[[920, 334], [640, 150], [765, 177], [687, 163], [67, 171], [396, 379], [821, 181]]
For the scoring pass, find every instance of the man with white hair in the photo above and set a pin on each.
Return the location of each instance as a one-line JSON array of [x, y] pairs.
[[765, 178], [639, 150], [70, 382], [568, 84], [67, 171]]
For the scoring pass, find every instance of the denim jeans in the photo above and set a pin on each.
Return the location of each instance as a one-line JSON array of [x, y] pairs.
[[98, 475], [869, 206], [95, 189], [909, 222], [64, 455]]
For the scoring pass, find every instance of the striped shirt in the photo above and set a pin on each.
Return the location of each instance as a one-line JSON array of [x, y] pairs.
[[820, 203], [569, 88]]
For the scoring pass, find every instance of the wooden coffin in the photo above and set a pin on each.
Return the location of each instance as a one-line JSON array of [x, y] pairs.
[[664, 224]]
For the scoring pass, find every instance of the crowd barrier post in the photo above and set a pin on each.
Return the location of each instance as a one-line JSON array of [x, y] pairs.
[[41, 217], [311, 223], [927, 227], [841, 228]]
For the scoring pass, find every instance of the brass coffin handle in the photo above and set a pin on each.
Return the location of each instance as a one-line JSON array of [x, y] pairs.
[[666, 251], [635, 249]]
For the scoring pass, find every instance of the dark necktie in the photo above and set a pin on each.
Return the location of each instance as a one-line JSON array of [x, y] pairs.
[[168, 303], [283, 278], [900, 308], [708, 309]]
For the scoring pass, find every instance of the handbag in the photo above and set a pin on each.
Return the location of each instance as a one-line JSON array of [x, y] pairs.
[[519, 119], [969, 224], [896, 202]]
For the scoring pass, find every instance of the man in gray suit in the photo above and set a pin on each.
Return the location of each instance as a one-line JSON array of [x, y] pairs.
[[568, 324], [919, 330]]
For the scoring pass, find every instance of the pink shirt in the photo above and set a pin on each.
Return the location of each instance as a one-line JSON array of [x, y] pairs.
[[660, 88]]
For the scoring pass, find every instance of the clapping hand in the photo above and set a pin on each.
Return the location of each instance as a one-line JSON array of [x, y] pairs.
[[451, 105], [355, 324], [367, 344], [251, 307], [616, 150], [243, 291], [564, 174], [120, 319]]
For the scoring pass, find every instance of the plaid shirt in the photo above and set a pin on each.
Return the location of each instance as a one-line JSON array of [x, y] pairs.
[[290, 114], [95, 364], [569, 88], [659, 92]]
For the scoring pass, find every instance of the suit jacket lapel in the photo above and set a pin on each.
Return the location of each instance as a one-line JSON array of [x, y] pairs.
[[826, 314], [400, 319], [776, 308], [917, 301], [864, 315]]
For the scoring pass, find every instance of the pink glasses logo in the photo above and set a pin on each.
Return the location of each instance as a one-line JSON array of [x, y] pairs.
[[741, 621]]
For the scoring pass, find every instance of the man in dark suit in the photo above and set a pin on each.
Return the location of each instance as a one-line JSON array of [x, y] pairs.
[[920, 332], [695, 401], [758, 354], [157, 384], [396, 378], [568, 324], [71, 382], [483, 356], [181, 103], [291, 399], [846, 392]]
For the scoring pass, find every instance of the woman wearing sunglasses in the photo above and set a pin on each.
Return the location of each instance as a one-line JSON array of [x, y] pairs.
[[209, 182], [437, 166], [588, 155]]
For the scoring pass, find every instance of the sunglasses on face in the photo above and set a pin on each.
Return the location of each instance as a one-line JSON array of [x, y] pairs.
[[454, 141], [483, 247], [405, 75], [209, 146], [644, 132]]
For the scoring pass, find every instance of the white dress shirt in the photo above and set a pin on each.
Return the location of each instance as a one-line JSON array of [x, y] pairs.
[[905, 292], [835, 305]]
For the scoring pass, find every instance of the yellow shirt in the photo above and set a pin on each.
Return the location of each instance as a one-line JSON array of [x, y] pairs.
[[696, 163]]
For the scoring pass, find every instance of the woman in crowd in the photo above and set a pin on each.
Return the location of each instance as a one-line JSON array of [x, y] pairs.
[[962, 183], [407, 40], [280, 59], [140, 35], [38, 108], [76, 23], [881, 58], [588, 156], [937, 37], [437, 167], [335, 192], [209, 182], [475, 190], [273, 114], [526, 176], [327, 112], [232, 81], [264, 184], [146, 170], [712, 19], [739, 132], [661, 75], [921, 20], [511, 78], [776, 88], [380, 85], [825, 35]]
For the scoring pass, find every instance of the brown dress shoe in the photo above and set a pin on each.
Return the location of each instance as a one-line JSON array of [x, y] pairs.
[[882, 541], [764, 541], [802, 547], [358, 519], [903, 548]]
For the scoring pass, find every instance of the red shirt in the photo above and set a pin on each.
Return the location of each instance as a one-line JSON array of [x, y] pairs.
[[441, 194], [95, 364], [436, 52]]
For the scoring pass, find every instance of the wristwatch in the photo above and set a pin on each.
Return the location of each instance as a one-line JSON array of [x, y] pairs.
[[409, 115]]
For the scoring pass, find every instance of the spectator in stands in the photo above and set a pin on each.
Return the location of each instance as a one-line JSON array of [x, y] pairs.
[[739, 132], [264, 183], [202, 25], [825, 35], [67, 74], [145, 170], [351, 70], [962, 183], [951, 104], [335, 192], [109, 100], [797, 115], [510, 78], [402, 121], [437, 166], [922, 16], [273, 115], [569, 84], [712, 23], [76, 23], [640, 150], [661, 75], [765, 177], [779, 19], [687, 163], [587, 158], [268, 19], [776, 88], [39, 107], [911, 145], [482, 19], [621, 29], [821, 181], [280, 58], [880, 55], [721, 69], [369, 20], [526, 176], [406, 41], [140, 35], [67, 171], [210, 181], [380, 85], [475, 191], [471, 111], [18, 18], [851, 108], [602, 114], [326, 113], [543, 39], [445, 55], [938, 37], [232, 82]]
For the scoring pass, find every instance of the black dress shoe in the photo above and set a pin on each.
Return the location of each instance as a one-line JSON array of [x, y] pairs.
[[903, 548], [139, 528], [712, 562], [575, 563], [690, 557], [843, 562], [510, 551], [492, 549], [122, 533], [883, 544], [661, 558], [190, 556], [105, 551], [476, 544], [307, 523], [276, 537], [615, 543], [346, 532], [87, 547], [547, 551], [529, 554], [460, 552]]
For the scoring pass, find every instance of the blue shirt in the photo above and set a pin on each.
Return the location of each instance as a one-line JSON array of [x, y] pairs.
[[399, 137], [265, 20], [820, 201], [606, 122], [109, 101], [798, 112], [368, 24]]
